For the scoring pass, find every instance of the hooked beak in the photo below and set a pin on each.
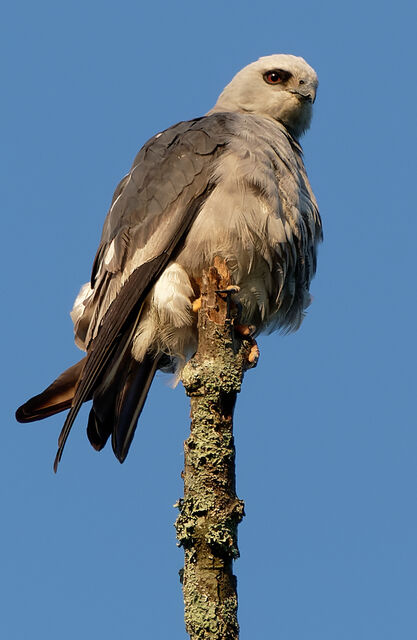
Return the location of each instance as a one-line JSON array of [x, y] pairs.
[[305, 96]]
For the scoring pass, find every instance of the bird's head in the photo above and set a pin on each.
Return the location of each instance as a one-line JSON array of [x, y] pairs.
[[280, 86]]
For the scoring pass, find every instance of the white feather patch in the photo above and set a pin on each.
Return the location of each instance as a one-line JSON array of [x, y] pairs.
[[167, 322], [172, 297], [78, 307], [108, 256]]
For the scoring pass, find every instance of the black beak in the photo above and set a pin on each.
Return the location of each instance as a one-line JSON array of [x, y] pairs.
[[304, 96]]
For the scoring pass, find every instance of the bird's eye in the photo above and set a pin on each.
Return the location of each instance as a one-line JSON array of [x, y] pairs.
[[276, 76], [302, 82]]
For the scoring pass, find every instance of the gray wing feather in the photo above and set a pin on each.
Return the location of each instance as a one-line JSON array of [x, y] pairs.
[[145, 222], [169, 171]]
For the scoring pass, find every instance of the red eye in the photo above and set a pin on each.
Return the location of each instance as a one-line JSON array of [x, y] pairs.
[[273, 77], [276, 76]]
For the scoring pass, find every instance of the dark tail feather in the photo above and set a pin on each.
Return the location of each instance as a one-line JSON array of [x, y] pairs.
[[118, 405], [100, 420], [98, 388], [129, 404], [102, 413], [57, 397]]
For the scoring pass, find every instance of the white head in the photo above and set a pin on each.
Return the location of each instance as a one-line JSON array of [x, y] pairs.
[[281, 86]]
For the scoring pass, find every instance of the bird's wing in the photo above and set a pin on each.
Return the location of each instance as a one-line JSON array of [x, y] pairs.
[[152, 211]]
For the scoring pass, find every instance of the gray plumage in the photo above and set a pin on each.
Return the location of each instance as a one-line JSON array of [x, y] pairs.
[[230, 184]]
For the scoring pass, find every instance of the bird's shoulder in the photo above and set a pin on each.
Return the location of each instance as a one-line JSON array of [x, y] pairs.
[[165, 165], [175, 165]]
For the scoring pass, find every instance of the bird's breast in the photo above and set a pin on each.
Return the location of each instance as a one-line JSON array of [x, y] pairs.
[[261, 218]]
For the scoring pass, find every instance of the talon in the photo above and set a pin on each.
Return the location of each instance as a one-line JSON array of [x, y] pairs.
[[232, 288], [254, 353], [245, 329], [196, 305]]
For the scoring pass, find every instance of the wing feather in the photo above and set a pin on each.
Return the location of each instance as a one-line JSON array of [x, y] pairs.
[[151, 212], [170, 170], [126, 305]]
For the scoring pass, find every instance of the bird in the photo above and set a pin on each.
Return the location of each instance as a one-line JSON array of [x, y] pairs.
[[230, 184]]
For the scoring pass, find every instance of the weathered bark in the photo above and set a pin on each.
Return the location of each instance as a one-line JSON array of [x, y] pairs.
[[210, 510]]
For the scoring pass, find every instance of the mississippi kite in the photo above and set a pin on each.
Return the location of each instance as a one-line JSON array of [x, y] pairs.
[[230, 184]]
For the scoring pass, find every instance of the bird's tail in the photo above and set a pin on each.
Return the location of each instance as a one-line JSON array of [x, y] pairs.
[[118, 403], [55, 398]]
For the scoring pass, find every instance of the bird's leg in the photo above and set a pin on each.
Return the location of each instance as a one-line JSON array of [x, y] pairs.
[[246, 331], [228, 291], [233, 313], [230, 318]]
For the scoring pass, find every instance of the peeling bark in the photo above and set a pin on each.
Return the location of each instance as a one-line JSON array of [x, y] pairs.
[[210, 510]]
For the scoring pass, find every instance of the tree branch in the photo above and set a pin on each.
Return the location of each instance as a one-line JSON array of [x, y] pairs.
[[210, 510]]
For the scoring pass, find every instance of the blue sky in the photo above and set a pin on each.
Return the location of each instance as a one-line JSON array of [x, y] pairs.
[[326, 424]]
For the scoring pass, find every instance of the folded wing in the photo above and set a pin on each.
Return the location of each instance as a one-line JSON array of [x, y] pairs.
[[151, 213]]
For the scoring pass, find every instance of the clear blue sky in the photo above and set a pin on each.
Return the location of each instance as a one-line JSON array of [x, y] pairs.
[[325, 426]]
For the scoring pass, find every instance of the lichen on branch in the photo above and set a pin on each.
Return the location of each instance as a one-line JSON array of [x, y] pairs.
[[210, 510]]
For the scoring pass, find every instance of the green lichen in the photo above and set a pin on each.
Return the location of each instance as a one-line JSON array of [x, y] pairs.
[[210, 510], [221, 538], [211, 621]]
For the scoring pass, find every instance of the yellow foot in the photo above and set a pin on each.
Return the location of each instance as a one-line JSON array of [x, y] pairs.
[[253, 353], [244, 329], [196, 305]]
